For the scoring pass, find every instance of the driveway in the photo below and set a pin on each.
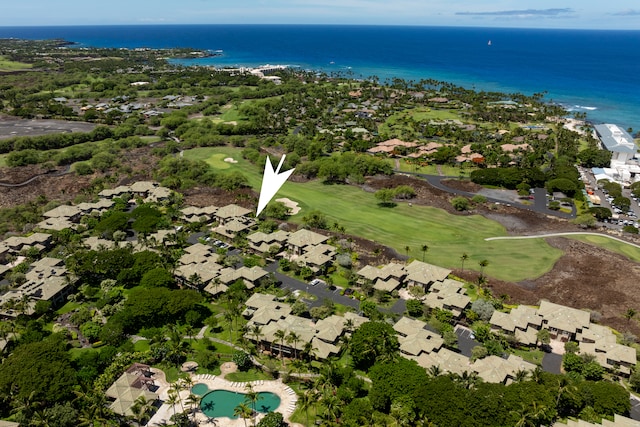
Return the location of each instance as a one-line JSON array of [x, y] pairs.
[[551, 362], [321, 292], [465, 342]]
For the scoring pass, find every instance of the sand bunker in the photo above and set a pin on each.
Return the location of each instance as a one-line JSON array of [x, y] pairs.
[[230, 160], [293, 206]]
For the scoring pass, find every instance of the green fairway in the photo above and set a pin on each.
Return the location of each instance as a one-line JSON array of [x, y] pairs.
[[7, 65], [448, 236], [616, 246]]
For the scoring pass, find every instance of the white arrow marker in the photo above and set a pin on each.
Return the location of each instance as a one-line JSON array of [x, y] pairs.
[[271, 182]]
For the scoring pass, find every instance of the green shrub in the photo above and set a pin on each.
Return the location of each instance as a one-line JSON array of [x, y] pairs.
[[460, 203]]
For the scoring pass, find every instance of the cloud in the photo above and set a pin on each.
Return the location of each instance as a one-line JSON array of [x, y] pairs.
[[628, 12], [527, 13]]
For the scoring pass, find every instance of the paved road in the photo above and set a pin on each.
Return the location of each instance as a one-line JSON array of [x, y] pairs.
[[539, 205], [321, 292], [65, 171], [569, 233]]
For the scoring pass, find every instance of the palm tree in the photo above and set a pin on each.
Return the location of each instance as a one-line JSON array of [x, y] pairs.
[[434, 370], [176, 388], [305, 401], [482, 265], [189, 330], [256, 330], [172, 400], [536, 375], [26, 405], [193, 400], [308, 351], [252, 396], [40, 419], [349, 325], [228, 316], [293, 338], [521, 376], [242, 410], [463, 258], [424, 249], [142, 410], [331, 405], [280, 334]]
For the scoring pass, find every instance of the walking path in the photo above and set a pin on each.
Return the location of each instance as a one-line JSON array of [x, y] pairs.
[[65, 171], [568, 233]]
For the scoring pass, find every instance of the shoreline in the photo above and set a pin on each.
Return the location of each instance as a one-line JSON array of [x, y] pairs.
[[451, 54]]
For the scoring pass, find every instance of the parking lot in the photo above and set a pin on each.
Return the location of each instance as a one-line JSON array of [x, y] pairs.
[[620, 217]]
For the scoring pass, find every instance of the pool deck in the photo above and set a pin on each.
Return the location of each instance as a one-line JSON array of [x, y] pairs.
[[288, 399]]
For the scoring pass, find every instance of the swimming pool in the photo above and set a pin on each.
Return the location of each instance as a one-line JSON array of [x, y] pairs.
[[222, 403], [199, 389]]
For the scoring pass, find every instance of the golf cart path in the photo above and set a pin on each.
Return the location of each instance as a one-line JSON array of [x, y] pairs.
[[569, 233]]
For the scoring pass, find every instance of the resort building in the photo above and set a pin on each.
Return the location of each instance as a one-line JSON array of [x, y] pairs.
[[47, 280], [195, 214], [16, 244], [262, 242], [137, 381], [448, 295], [625, 166], [304, 240], [271, 316], [494, 369], [566, 324]]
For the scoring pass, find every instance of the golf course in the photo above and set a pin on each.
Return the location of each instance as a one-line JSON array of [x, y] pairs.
[[447, 236]]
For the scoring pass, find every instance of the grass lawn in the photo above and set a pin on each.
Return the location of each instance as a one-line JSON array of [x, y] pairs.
[[77, 352], [432, 169], [448, 236], [142, 345], [70, 306], [300, 416], [616, 246], [339, 279], [531, 356], [3, 160], [252, 374], [7, 65]]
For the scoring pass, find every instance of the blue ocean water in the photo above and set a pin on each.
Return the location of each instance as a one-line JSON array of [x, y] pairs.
[[597, 72]]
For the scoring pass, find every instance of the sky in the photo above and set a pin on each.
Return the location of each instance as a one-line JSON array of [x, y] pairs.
[[585, 14]]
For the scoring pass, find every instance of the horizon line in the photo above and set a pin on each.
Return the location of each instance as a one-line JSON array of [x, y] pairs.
[[174, 24]]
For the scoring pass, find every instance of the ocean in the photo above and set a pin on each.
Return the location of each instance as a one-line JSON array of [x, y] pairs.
[[592, 71]]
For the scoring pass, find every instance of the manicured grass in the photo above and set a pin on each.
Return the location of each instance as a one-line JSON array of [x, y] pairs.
[[7, 65], [70, 306], [230, 113], [142, 345], [621, 248], [339, 280], [75, 353], [299, 416], [216, 161], [448, 236], [531, 356], [433, 169], [171, 372], [251, 375]]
